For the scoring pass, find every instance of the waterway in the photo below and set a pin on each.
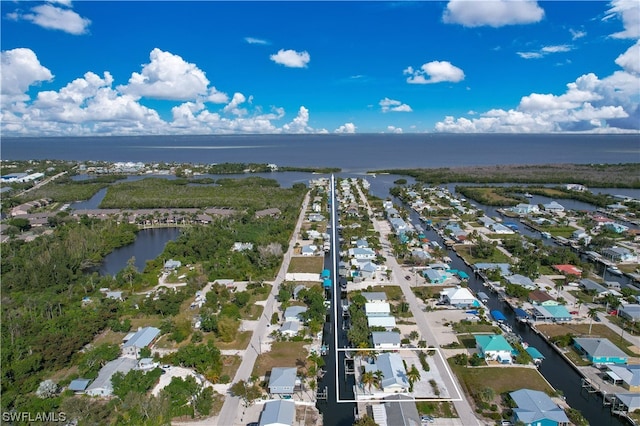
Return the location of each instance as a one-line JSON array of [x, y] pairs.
[[148, 245], [554, 368]]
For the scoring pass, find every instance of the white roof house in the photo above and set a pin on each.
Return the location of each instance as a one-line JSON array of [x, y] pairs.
[[385, 339], [293, 313], [281, 412], [553, 207], [362, 253], [102, 386], [290, 328], [394, 375], [377, 309], [457, 296], [374, 296], [282, 380], [309, 250], [387, 322]]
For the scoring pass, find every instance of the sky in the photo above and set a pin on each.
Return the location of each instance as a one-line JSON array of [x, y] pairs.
[[214, 67]]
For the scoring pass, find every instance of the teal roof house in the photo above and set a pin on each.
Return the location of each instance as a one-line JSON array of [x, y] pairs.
[[494, 347], [535, 408], [600, 351]]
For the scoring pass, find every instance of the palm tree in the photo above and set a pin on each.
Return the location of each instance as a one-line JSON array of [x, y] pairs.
[[368, 379], [413, 375], [593, 314], [379, 375]]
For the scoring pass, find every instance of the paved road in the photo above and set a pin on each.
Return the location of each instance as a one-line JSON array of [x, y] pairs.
[[231, 413], [465, 412]]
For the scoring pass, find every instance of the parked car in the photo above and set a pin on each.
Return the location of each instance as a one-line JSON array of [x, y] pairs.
[[407, 277], [597, 319], [426, 419]]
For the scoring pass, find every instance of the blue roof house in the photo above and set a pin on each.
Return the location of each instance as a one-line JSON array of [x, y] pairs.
[[141, 339], [283, 380], [600, 350], [494, 347], [535, 408], [281, 412]]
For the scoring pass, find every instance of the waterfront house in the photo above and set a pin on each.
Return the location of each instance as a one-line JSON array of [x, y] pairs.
[[394, 375], [388, 323], [535, 354], [591, 286], [282, 380], [537, 408], [555, 313], [143, 338], [630, 401], [504, 268], [600, 350], [400, 410], [627, 375], [553, 207], [459, 297], [525, 209], [615, 227], [171, 264], [374, 296], [630, 311], [568, 270], [385, 339], [522, 281], [377, 309], [542, 298], [619, 254], [435, 276], [280, 412], [294, 313], [494, 347], [102, 386]]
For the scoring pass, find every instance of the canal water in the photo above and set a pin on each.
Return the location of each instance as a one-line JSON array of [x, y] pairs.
[[554, 368], [148, 245]]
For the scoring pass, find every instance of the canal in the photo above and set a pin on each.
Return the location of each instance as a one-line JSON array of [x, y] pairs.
[[335, 413], [554, 368]]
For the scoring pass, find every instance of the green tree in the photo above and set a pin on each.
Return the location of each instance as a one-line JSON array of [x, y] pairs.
[[365, 420], [413, 375], [592, 313], [368, 379]]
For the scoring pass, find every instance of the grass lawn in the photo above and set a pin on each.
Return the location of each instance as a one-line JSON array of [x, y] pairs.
[[230, 365], [467, 341], [428, 292], [507, 379], [437, 409], [597, 330], [110, 337], [282, 354], [252, 312], [241, 341], [464, 250], [306, 264], [218, 402], [470, 327], [576, 358]]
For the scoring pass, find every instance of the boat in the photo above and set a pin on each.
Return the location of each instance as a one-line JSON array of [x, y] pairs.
[[614, 270], [526, 194], [545, 234]]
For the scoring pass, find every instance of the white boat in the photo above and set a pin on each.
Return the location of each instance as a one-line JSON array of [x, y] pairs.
[[526, 194], [614, 270], [545, 234]]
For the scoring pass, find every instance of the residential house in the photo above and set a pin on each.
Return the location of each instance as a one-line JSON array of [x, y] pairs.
[[555, 313], [309, 250], [385, 339], [553, 207], [240, 246], [568, 270], [146, 364], [362, 253], [615, 227], [630, 311], [459, 297], [630, 401], [143, 338], [494, 347], [435, 276], [362, 243], [593, 287], [600, 350], [401, 410], [294, 313], [536, 408], [522, 281], [388, 323], [542, 298], [377, 309], [525, 209], [171, 264], [503, 267], [394, 375], [115, 295], [102, 385], [281, 412], [78, 386], [374, 296], [290, 328], [619, 254], [282, 380], [272, 212], [627, 375]]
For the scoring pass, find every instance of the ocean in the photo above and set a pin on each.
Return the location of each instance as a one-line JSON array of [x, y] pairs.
[[352, 153]]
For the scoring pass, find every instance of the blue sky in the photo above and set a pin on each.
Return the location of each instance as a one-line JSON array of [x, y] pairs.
[[209, 67]]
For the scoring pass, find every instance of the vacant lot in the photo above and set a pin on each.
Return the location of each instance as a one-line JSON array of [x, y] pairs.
[[306, 265], [282, 354], [500, 379]]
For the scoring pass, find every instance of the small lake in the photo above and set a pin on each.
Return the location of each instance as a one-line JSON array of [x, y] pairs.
[[148, 245]]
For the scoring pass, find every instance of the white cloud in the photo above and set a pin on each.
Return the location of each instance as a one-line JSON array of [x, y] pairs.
[[629, 12], [394, 106], [630, 60], [291, 58], [167, 76], [253, 40], [300, 124], [434, 72], [54, 18], [493, 13], [217, 97], [21, 69], [236, 101], [576, 34], [589, 104], [346, 128], [393, 129], [545, 50]]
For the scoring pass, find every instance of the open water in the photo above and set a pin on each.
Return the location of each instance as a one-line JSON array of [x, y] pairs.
[[351, 153]]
